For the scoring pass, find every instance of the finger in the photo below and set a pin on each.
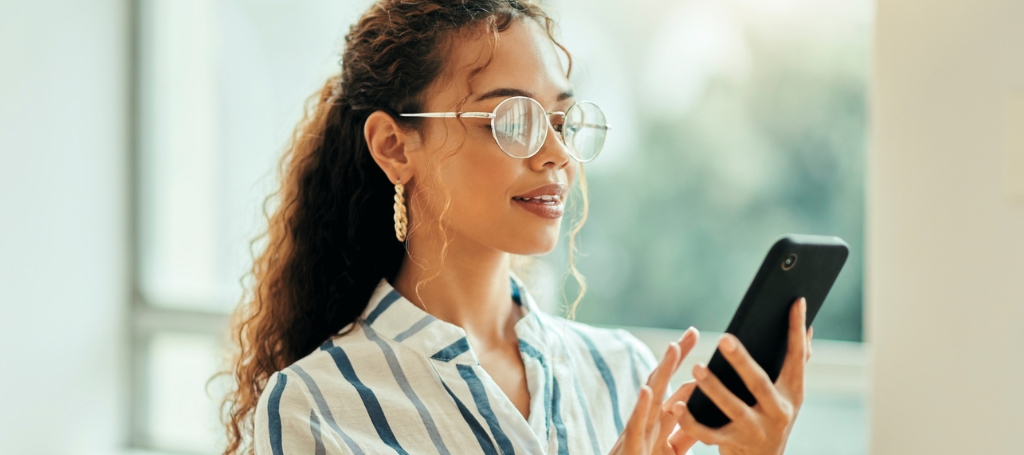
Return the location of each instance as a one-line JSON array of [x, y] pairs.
[[791, 378], [666, 424], [728, 402], [681, 394], [658, 381], [680, 442], [686, 344], [635, 426], [810, 336], [753, 376], [695, 429]]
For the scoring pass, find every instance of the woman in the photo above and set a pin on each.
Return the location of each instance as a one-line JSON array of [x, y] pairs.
[[385, 317]]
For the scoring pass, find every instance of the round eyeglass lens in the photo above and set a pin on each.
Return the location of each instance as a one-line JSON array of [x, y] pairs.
[[520, 126], [584, 130]]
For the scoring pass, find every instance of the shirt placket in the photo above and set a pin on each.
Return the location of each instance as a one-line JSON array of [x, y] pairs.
[[495, 421]]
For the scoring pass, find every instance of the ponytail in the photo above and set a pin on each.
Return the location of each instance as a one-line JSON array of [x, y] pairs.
[[330, 236]]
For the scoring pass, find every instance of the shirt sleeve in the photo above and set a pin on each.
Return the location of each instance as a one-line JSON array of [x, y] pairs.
[[642, 360], [287, 423]]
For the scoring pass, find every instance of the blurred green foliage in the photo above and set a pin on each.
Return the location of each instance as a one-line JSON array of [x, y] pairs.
[[677, 231]]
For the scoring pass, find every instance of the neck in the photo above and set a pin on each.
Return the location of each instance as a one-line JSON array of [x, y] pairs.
[[471, 290]]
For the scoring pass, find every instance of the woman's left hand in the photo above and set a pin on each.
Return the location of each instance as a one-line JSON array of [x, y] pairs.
[[764, 427]]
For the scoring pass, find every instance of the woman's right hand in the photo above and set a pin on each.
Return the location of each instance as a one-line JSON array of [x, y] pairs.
[[649, 427]]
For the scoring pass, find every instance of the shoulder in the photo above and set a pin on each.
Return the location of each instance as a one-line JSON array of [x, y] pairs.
[[284, 417], [350, 348], [294, 408]]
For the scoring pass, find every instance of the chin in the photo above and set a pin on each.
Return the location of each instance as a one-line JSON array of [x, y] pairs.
[[536, 245]]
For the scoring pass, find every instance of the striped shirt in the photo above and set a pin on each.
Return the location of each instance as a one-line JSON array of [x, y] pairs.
[[406, 382]]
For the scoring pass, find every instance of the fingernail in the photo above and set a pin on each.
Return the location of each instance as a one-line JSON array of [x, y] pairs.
[[727, 343], [689, 333], [700, 371]]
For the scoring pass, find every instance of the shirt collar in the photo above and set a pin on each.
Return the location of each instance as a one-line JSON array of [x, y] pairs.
[[394, 317]]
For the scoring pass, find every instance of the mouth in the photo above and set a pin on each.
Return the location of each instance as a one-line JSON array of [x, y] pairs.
[[547, 201]]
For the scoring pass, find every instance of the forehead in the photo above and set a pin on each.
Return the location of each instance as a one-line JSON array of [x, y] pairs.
[[523, 57]]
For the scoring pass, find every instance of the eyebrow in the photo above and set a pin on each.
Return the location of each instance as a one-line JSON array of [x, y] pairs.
[[508, 92]]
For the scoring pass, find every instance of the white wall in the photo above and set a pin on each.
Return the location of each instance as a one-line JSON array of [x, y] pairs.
[[945, 270], [63, 93]]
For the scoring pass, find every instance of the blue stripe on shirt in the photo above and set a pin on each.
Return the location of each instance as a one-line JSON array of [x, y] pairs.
[[419, 325], [632, 363], [476, 388], [481, 435], [274, 417], [321, 404], [370, 402], [590, 422], [516, 295], [314, 428], [403, 383], [533, 352], [556, 416], [452, 351], [583, 402], [382, 306], [606, 373]]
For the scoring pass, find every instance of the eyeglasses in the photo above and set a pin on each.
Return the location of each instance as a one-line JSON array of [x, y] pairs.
[[520, 124]]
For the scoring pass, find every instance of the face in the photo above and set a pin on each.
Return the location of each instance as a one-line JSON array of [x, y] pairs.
[[496, 201]]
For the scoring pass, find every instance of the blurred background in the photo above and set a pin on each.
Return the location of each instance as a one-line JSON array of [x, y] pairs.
[[138, 139]]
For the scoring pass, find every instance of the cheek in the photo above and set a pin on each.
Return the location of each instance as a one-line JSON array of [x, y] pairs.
[[473, 171], [481, 179]]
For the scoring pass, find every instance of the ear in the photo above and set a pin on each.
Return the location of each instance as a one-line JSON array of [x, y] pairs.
[[389, 145]]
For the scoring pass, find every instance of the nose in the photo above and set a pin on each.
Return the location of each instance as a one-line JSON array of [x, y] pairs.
[[553, 153]]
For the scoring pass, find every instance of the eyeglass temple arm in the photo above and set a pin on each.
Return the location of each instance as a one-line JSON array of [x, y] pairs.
[[450, 114], [485, 115]]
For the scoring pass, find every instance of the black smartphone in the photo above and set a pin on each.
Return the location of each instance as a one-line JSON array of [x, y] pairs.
[[796, 266]]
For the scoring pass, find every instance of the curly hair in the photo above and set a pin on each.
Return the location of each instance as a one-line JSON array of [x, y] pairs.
[[330, 236]]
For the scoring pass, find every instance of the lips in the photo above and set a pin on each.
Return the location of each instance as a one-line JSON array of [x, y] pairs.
[[546, 201], [550, 191]]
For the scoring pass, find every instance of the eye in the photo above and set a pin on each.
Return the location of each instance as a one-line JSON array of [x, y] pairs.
[[558, 123]]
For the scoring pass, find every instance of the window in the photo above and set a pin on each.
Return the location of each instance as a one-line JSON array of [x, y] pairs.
[[735, 121], [221, 85]]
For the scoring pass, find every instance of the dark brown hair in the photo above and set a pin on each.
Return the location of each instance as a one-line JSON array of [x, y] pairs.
[[330, 236]]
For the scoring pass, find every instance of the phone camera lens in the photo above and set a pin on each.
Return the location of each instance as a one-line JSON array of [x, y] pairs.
[[789, 262]]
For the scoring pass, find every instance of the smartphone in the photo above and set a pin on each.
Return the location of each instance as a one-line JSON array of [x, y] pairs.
[[796, 266]]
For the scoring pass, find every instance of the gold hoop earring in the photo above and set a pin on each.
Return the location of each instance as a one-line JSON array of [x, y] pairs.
[[401, 220]]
